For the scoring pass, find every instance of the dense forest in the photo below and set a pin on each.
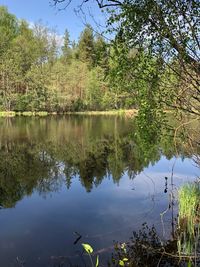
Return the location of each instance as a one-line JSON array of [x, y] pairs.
[[40, 72]]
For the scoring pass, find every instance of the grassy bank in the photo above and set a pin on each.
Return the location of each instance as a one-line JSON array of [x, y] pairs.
[[25, 113], [121, 112]]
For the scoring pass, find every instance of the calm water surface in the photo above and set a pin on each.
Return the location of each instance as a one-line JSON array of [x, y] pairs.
[[91, 175]]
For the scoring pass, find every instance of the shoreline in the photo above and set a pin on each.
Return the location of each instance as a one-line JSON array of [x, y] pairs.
[[119, 112]]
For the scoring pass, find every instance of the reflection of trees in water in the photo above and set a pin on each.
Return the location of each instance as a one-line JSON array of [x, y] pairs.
[[23, 168], [41, 155]]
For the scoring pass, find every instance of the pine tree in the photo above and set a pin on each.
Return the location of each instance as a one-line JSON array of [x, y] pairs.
[[101, 52], [66, 48], [86, 46]]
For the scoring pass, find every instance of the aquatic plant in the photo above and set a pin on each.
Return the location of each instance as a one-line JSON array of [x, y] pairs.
[[189, 219], [89, 251], [145, 248]]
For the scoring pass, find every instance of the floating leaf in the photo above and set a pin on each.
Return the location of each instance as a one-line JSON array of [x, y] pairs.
[[125, 259], [87, 248]]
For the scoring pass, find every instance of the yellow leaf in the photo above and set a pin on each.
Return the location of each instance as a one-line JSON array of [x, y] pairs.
[[87, 248]]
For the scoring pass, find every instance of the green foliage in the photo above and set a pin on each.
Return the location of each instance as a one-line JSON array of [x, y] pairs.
[[188, 221], [121, 263], [66, 48], [146, 248], [86, 51], [35, 77], [168, 31], [101, 53], [189, 196], [37, 74], [95, 89], [8, 29]]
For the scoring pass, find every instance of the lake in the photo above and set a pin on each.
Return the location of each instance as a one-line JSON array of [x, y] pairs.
[[94, 176]]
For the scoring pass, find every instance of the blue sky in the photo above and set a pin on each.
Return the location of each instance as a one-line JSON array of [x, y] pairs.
[[35, 10]]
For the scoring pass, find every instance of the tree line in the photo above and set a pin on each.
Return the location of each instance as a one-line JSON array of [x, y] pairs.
[[151, 64], [38, 73]]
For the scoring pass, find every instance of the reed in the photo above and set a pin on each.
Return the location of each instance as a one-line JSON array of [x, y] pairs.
[[189, 218]]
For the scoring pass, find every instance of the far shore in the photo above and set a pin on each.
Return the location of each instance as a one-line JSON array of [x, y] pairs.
[[121, 112]]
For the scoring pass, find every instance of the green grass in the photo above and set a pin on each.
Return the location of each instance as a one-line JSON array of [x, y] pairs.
[[41, 113], [24, 113], [120, 112], [108, 112], [27, 113], [7, 113], [189, 217], [34, 113], [189, 199]]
